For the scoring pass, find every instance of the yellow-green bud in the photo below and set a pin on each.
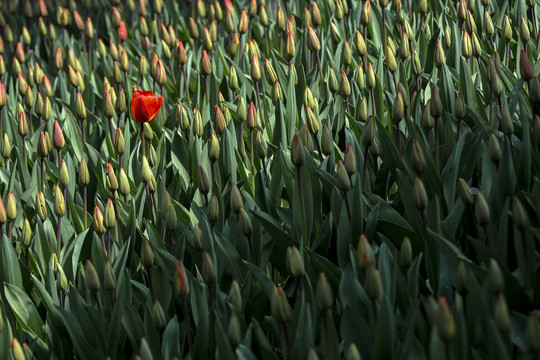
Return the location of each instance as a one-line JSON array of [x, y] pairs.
[[519, 214], [11, 207], [235, 295], [202, 181], [112, 182], [361, 48], [123, 183], [26, 234], [40, 207], [205, 67], [507, 126], [109, 220], [313, 42], [496, 278], [398, 110], [146, 172], [506, 29], [181, 284], [343, 182], [63, 175], [84, 175], [213, 148], [297, 151], [237, 202], [418, 162], [489, 29], [294, 262], [439, 57]]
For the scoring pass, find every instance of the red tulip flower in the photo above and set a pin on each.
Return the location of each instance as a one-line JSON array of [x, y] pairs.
[[122, 32], [145, 106]]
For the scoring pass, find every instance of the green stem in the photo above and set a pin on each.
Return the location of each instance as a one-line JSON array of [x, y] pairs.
[[303, 210]]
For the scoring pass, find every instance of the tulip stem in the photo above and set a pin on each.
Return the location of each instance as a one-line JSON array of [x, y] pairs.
[[486, 234], [511, 150], [108, 244], [188, 325], [458, 128], [365, 168], [320, 67], [24, 148], [186, 85], [284, 335], [103, 244], [507, 53], [303, 211], [251, 150], [347, 205], [437, 144], [83, 132], [169, 240], [327, 334], [149, 201], [9, 230], [116, 206], [265, 172], [58, 236], [84, 207], [42, 173], [142, 140]]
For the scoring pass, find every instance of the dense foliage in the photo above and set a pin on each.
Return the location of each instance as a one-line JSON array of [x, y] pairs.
[[324, 179]]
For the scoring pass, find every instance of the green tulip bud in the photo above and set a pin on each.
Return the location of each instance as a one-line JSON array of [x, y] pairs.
[[245, 222], [519, 214], [436, 106], [202, 181], [418, 162], [146, 172], [84, 175], [235, 295], [524, 32], [495, 152], [532, 334], [420, 195], [489, 29], [109, 278], [398, 110], [361, 48], [158, 316], [234, 332], [91, 278], [324, 297], [63, 176], [525, 68], [507, 126], [280, 308], [481, 210], [365, 253], [144, 350], [237, 202], [506, 29], [181, 284], [343, 182], [405, 253], [534, 91], [373, 284], [147, 254], [209, 274], [297, 151], [333, 84], [439, 57], [313, 42], [495, 276], [40, 208], [213, 209]]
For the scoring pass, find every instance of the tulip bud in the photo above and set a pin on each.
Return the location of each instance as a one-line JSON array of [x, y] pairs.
[[147, 254], [436, 106], [524, 32], [481, 210], [324, 297], [398, 110], [519, 214], [205, 67], [63, 176], [370, 77], [373, 284], [464, 192], [343, 182], [245, 223], [439, 57], [444, 321], [506, 29], [234, 332], [495, 152], [112, 182], [365, 253], [420, 195], [16, 351], [418, 162], [365, 15], [534, 91], [297, 151], [405, 253], [11, 207], [213, 209], [43, 147], [40, 208], [22, 124], [360, 43], [313, 42], [507, 126], [280, 308], [237, 202], [84, 175], [213, 148], [525, 68], [495, 276], [294, 262], [208, 270], [91, 278], [109, 220], [109, 278], [26, 234], [500, 314], [235, 295], [349, 160]]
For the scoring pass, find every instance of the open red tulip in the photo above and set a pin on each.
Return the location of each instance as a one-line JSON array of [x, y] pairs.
[[145, 105]]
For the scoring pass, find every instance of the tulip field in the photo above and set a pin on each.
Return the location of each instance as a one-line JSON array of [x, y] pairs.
[[269, 179]]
